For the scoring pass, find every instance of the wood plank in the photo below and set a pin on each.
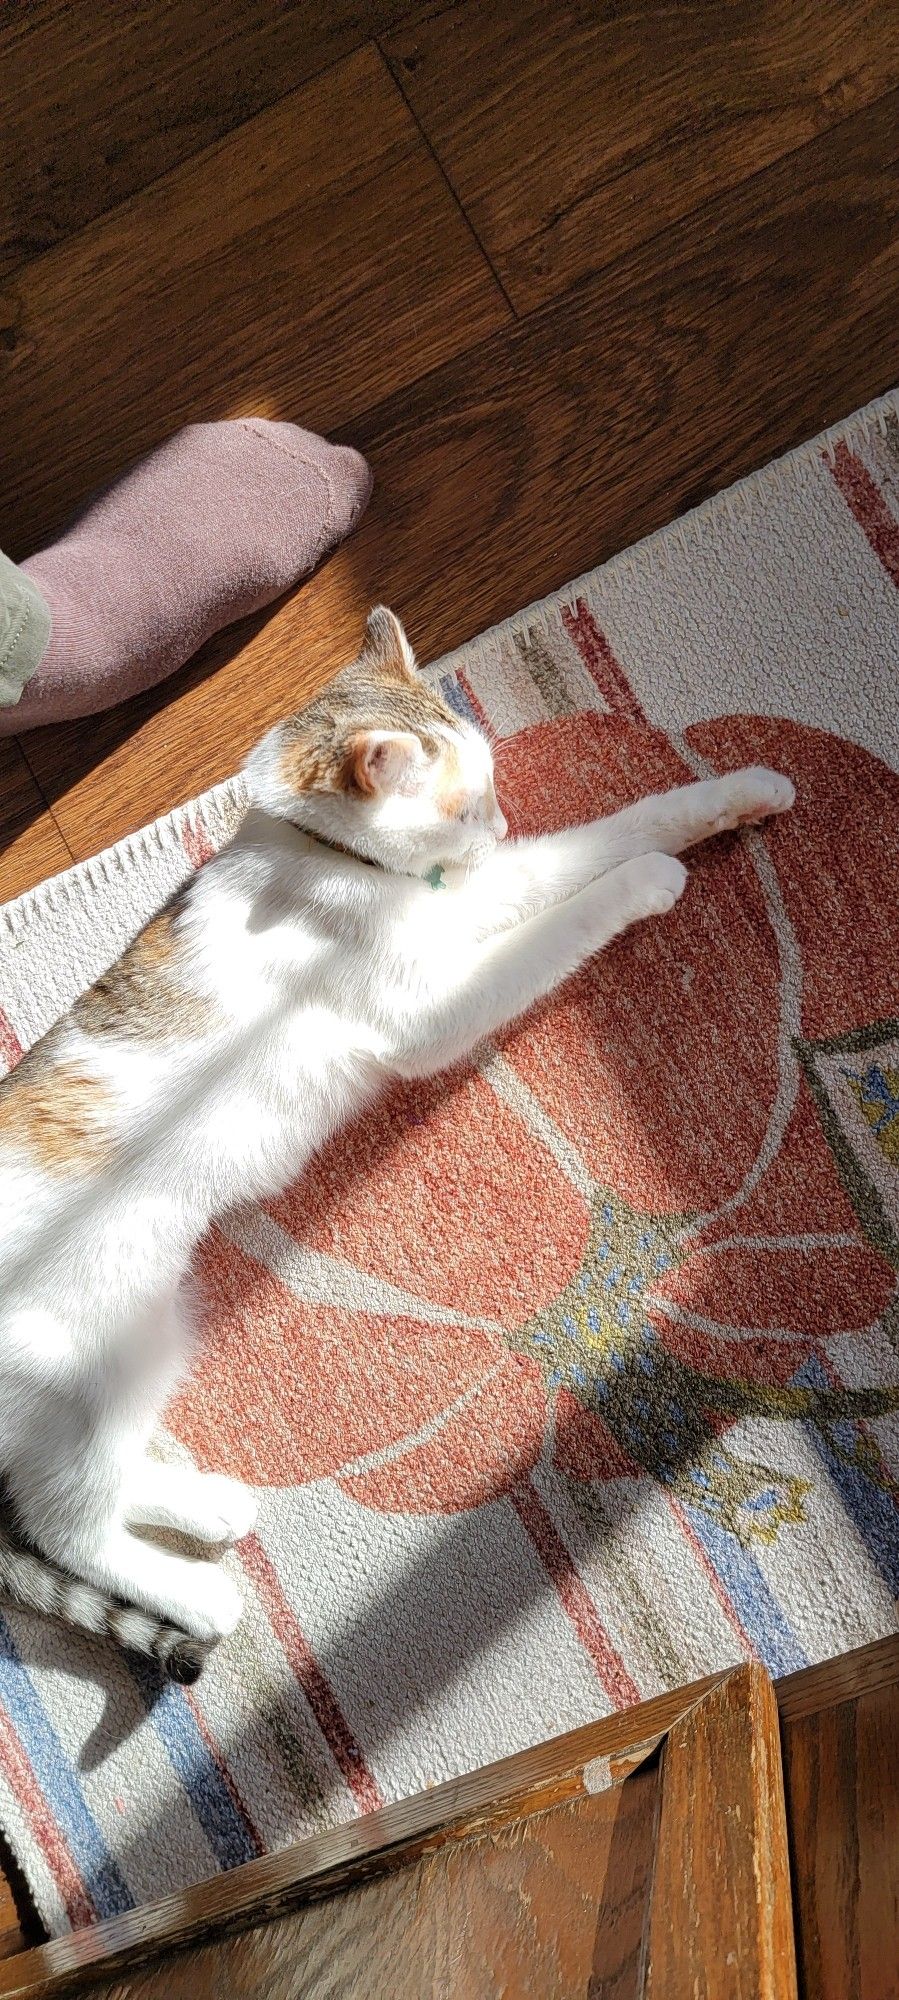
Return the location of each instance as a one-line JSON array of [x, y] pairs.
[[12, 1936], [572, 133], [266, 276], [20, 1925], [720, 1920], [843, 1679], [583, 1764], [513, 1911], [559, 440], [97, 101], [31, 845], [842, 1777], [532, 1781]]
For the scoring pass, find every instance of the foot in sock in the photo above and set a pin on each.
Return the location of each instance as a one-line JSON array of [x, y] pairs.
[[216, 523]]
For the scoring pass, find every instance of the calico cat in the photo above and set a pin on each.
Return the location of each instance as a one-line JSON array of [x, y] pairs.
[[306, 965]]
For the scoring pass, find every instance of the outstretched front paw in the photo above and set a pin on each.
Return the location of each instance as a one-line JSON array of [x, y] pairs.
[[746, 797], [660, 882]]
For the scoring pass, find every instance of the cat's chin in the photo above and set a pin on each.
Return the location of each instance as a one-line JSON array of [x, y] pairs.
[[468, 855], [397, 857], [480, 851]]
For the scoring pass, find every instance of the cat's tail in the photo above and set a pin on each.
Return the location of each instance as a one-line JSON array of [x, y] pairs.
[[40, 1586]]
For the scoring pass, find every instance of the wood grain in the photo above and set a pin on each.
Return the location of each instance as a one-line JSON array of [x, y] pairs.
[[266, 276], [572, 133], [842, 1777], [513, 1911], [31, 845], [532, 1781], [722, 1813], [20, 1925], [720, 1920], [860, 1672], [12, 1936], [97, 101], [557, 441]]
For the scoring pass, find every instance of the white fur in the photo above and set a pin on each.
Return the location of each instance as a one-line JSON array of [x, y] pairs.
[[322, 977], [401, 825]]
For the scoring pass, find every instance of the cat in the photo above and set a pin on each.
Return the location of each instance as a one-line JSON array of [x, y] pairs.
[[305, 965]]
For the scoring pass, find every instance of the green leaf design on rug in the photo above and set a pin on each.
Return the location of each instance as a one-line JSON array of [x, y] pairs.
[[597, 1342], [854, 1079], [751, 1500]]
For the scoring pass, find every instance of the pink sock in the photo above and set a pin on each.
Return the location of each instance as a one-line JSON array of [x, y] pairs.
[[216, 523]]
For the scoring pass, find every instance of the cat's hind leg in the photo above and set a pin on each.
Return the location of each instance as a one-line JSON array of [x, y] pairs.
[[200, 1598], [74, 1516], [205, 1505], [67, 1479]]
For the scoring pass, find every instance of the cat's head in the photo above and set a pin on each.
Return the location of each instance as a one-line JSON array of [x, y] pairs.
[[380, 764]]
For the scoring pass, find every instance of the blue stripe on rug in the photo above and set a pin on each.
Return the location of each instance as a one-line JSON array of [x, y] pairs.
[[454, 697], [872, 1510], [228, 1832], [762, 1617], [59, 1782]]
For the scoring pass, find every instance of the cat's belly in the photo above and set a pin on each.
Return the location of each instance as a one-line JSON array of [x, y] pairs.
[[255, 1139]]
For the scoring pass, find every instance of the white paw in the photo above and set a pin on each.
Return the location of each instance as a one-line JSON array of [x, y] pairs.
[[661, 883], [216, 1604], [752, 795], [229, 1508]]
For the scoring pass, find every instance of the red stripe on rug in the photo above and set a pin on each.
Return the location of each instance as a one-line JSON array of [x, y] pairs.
[[319, 1693], [479, 713], [574, 1596], [865, 500], [11, 1050], [20, 1777], [601, 664], [196, 842], [239, 1803]]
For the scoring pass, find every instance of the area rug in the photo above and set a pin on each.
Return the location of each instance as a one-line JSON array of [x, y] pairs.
[[574, 1375]]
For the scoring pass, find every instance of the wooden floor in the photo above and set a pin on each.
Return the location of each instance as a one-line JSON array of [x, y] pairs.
[[713, 1840], [560, 271]]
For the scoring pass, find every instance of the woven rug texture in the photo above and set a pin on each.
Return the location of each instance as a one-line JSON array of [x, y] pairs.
[[575, 1375]]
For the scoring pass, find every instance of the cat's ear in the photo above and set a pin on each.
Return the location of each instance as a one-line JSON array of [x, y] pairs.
[[382, 760], [386, 649]]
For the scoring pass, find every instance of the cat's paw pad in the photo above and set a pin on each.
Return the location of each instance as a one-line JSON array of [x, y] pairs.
[[753, 795], [662, 881], [229, 1508], [216, 1604]]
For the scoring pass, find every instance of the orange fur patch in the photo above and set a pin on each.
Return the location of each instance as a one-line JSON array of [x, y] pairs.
[[55, 1111], [142, 997], [319, 749], [308, 763], [452, 791]]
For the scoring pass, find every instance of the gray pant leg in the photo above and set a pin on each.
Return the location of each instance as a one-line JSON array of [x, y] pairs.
[[24, 630]]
